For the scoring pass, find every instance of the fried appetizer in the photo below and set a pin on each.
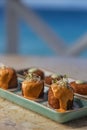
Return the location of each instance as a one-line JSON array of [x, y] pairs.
[[8, 78], [60, 95], [79, 87], [36, 71], [32, 86], [48, 79]]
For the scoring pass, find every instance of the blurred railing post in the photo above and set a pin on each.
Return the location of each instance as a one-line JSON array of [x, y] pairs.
[[14, 8], [12, 28]]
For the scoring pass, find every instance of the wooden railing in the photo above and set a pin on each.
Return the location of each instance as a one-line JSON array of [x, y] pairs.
[[15, 10]]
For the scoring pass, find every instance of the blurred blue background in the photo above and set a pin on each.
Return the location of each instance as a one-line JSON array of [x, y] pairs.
[[68, 20]]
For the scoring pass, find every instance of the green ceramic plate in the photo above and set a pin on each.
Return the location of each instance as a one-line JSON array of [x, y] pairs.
[[41, 105]]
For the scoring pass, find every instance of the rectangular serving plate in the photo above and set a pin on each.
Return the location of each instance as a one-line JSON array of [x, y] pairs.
[[40, 106]]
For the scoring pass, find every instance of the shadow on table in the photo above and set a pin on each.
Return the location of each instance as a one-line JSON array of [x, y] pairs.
[[78, 123]]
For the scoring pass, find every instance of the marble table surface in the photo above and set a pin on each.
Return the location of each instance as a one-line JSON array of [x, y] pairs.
[[14, 117]]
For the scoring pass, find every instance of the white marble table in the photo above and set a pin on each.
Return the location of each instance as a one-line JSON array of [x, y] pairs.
[[14, 117]]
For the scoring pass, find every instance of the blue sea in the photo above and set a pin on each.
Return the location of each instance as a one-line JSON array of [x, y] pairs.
[[69, 25]]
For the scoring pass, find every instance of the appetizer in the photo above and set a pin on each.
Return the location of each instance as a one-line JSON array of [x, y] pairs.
[[60, 95], [8, 78], [36, 71], [32, 86], [48, 79], [79, 86]]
